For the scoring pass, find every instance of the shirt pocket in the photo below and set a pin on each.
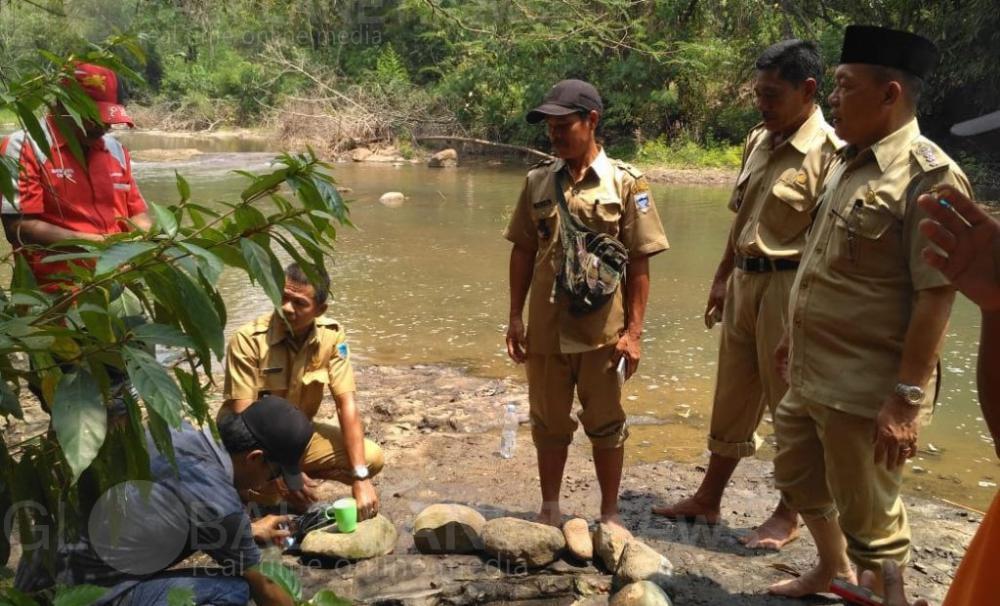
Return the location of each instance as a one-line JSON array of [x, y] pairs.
[[601, 211], [314, 386], [736, 200], [272, 376], [867, 237], [787, 212], [543, 216]]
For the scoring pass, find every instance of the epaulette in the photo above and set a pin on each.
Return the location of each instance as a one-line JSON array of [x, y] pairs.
[[928, 156], [625, 166], [329, 323], [261, 324], [541, 163]]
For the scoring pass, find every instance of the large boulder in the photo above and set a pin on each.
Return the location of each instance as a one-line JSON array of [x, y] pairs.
[[448, 528], [361, 154], [640, 562], [373, 538], [609, 543], [392, 199], [519, 542], [642, 593], [446, 158], [578, 541]]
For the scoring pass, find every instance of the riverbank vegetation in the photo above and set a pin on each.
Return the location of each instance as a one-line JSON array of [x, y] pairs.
[[675, 73]]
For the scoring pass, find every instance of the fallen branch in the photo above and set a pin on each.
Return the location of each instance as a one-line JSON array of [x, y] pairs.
[[518, 148]]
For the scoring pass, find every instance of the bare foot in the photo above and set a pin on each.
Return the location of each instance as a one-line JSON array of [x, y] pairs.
[[773, 534], [690, 510], [550, 517], [615, 520], [814, 581]]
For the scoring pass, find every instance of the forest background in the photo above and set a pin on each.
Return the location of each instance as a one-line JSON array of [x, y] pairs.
[[676, 75]]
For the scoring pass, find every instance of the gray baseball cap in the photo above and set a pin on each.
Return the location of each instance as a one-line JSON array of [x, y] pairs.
[[565, 98]]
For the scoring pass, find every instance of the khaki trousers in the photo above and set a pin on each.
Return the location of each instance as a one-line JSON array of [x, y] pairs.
[[825, 465], [747, 384], [325, 458]]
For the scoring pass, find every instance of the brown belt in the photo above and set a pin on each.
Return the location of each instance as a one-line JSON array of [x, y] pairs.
[[759, 265]]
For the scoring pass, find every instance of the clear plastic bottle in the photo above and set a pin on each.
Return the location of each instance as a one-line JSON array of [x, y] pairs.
[[508, 435]]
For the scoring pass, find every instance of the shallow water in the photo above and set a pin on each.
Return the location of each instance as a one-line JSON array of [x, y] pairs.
[[427, 283]]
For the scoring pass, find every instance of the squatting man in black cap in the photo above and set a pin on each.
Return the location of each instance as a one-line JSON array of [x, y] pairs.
[[192, 508], [867, 317], [568, 349]]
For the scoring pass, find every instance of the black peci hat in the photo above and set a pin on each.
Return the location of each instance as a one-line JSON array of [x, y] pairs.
[[567, 97], [889, 48]]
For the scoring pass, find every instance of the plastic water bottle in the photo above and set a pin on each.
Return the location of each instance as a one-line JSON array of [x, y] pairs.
[[508, 436]]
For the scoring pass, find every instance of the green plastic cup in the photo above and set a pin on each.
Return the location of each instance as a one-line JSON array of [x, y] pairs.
[[345, 511]]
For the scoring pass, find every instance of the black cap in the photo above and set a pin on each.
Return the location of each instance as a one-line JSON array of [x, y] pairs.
[[283, 432], [567, 97], [889, 48]]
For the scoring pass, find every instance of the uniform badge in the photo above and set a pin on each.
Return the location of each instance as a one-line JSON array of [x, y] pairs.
[[928, 154], [343, 351], [641, 185], [801, 178], [642, 201]]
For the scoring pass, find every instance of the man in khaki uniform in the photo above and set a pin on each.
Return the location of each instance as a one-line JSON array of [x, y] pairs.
[[265, 358], [867, 316], [564, 350], [773, 201]]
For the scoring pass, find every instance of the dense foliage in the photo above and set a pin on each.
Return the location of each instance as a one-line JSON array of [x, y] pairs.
[[674, 70]]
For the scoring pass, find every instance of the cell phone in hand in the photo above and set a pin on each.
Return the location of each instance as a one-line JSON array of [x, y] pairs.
[[855, 594], [622, 366]]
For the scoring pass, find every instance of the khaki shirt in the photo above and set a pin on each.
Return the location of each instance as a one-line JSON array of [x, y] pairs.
[[612, 198], [775, 194], [853, 295], [262, 359]]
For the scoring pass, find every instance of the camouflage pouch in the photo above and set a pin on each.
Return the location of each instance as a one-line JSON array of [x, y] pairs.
[[593, 263]]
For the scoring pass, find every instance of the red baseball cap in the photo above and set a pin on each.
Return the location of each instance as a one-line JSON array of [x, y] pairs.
[[107, 91]]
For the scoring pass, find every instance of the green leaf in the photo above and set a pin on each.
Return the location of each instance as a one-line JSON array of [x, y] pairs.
[[75, 147], [165, 219], [193, 393], [183, 189], [79, 418], [120, 254], [154, 384], [73, 256], [10, 404], [33, 126], [209, 265], [328, 598], [78, 595], [162, 334], [23, 276], [283, 576], [9, 176], [162, 439], [261, 267], [13, 597], [264, 184], [180, 596]]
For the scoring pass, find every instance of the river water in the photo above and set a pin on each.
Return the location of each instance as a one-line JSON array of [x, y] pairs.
[[427, 283]]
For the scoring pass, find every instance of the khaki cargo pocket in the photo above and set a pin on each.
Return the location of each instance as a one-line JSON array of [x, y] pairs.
[[867, 239], [543, 217], [314, 386], [787, 212]]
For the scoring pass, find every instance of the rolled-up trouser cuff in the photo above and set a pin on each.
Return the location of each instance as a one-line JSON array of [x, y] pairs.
[[734, 450], [610, 440]]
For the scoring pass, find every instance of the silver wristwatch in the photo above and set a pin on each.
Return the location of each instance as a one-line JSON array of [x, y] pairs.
[[911, 394], [360, 472]]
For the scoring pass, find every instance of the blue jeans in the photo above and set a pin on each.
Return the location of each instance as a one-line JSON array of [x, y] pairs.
[[208, 591]]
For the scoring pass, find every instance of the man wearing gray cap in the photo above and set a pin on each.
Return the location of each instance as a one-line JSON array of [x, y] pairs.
[[138, 531], [581, 222], [867, 317]]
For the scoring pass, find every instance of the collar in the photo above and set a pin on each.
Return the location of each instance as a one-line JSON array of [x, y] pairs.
[[889, 148], [601, 166], [806, 134], [278, 332]]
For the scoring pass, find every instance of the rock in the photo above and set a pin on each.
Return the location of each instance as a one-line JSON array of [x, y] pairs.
[[609, 542], [373, 538], [578, 540], [392, 199], [446, 158], [640, 562], [361, 154], [448, 528], [520, 542], [642, 593]]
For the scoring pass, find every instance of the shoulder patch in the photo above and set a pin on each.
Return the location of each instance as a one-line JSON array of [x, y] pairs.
[[343, 351], [928, 156]]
